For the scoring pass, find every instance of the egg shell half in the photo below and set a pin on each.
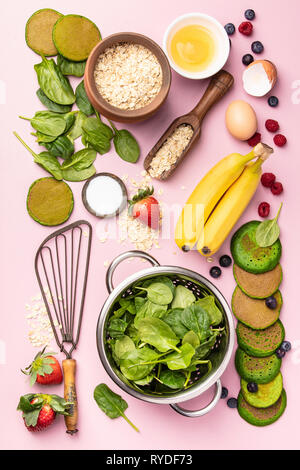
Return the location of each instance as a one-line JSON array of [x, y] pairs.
[[241, 120]]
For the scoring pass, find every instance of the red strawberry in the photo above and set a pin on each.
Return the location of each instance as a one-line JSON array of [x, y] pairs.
[[145, 207], [45, 369], [39, 410], [45, 418]]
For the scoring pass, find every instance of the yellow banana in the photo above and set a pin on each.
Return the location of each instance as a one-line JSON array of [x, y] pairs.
[[205, 197], [232, 205]]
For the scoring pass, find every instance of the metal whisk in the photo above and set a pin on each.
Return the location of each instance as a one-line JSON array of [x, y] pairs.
[[61, 266]]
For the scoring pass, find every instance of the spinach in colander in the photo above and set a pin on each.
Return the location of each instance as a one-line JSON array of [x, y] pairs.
[[160, 334]]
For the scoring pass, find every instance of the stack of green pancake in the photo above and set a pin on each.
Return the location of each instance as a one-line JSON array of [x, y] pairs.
[[259, 331]]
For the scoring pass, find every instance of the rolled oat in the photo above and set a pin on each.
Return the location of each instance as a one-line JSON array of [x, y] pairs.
[[171, 150], [128, 76]]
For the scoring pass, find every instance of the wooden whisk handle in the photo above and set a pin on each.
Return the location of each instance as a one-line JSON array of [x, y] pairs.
[[218, 86], [69, 369]]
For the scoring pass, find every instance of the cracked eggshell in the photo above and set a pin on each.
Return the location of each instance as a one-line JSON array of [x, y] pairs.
[[241, 120], [259, 78]]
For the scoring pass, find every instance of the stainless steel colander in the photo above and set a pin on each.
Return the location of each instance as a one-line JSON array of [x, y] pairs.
[[221, 352]]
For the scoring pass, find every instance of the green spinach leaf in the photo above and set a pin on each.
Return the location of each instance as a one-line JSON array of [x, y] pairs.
[[137, 364], [183, 297], [174, 319], [82, 100], [111, 403], [172, 379], [145, 381], [53, 83], [181, 359], [47, 122], [116, 327], [148, 309], [45, 160], [158, 334], [96, 134], [126, 145], [76, 129], [41, 138], [158, 293], [208, 304], [80, 160], [55, 107], [268, 232], [123, 345], [62, 147], [197, 319], [70, 174], [68, 67], [192, 338]]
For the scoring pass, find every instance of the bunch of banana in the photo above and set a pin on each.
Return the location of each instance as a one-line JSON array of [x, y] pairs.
[[219, 200]]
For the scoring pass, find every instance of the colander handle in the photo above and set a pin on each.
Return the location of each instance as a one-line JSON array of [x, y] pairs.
[[209, 407], [122, 257]]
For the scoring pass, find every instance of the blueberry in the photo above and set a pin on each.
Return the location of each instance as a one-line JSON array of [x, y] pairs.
[[257, 47], [273, 101], [250, 14], [271, 302], [215, 272], [247, 59], [229, 28], [232, 403], [280, 353], [286, 346], [225, 261], [185, 248], [224, 392], [252, 387]]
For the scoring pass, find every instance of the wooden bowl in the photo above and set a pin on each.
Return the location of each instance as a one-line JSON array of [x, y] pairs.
[[112, 112]]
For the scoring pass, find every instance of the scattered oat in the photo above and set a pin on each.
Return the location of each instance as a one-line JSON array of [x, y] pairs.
[[183, 188], [144, 173], [171, 150], [209, 260], [106, 263], [136, 232], [160, 192], [40, 332], [128, 75]]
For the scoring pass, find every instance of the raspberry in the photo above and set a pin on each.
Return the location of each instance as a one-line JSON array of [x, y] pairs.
[[272, 125], [268, 179], [246, 28], [254, 139], [276, 188], [280, 140], [264, 209]]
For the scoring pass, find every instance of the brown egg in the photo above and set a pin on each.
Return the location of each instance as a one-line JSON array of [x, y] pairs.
[[241, 120]]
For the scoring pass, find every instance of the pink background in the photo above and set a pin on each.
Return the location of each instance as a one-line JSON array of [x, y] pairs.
[[277, 26]]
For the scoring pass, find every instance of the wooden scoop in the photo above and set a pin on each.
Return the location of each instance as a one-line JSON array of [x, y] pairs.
[[218, 87]]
